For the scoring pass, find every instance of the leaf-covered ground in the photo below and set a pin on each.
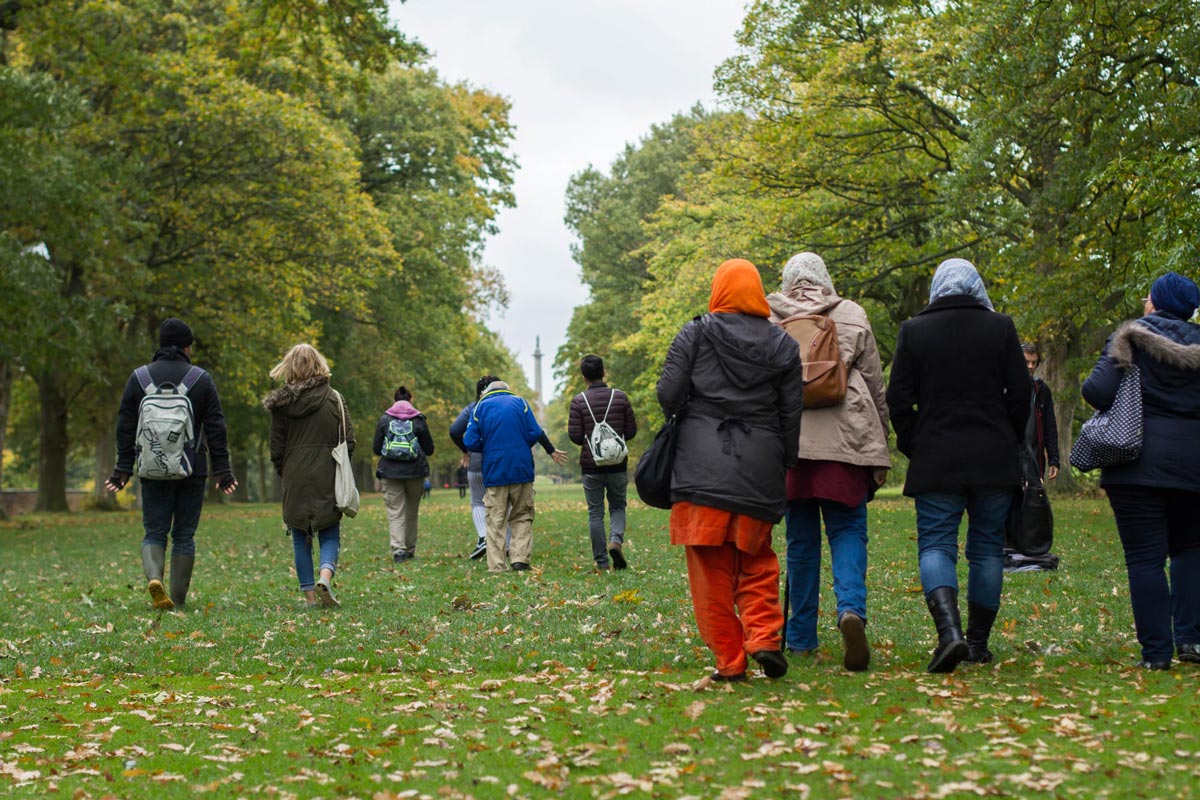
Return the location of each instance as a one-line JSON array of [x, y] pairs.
[[437, 679]]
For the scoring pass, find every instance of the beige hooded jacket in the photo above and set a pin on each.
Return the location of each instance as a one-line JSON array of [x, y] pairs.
[[854, 431]]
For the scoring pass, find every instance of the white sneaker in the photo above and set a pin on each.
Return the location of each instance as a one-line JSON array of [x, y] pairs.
[[325, 596]]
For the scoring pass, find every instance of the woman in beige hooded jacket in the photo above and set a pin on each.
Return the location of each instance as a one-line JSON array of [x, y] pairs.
[[843, 459]]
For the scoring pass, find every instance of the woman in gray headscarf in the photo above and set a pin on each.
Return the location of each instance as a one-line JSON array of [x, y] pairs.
[[843, 459], [959, 399]]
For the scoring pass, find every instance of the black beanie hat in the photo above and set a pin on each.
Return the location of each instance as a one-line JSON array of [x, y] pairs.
[[174, 332]]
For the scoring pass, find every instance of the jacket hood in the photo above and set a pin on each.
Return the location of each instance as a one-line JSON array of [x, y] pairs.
[[402, 409], [171, 353], [805, 298], [1164, 338], [298, 399], [746, 354]]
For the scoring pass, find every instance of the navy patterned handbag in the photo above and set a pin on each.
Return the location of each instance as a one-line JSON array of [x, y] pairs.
[[1114, 436]]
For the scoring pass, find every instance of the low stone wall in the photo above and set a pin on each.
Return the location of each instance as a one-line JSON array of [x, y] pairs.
[[22, 501]]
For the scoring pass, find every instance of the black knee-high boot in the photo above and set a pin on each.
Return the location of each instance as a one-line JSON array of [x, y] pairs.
[[952, 646], [181, 578], [979, 627]]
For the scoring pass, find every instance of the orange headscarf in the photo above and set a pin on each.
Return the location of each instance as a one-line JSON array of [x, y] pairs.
[[737, 288]]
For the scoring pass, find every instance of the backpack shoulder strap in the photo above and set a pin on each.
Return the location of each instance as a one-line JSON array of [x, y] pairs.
[[591, 413], [609, 408], [144, 380], [190, 379]]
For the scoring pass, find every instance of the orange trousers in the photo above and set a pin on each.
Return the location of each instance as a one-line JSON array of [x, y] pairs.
[[726, 582]]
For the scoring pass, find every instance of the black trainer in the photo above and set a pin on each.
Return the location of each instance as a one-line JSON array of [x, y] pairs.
[[480, 549], [618, 558]]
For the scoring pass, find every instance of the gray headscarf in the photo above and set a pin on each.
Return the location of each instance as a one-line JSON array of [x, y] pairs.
[[806, 268], [958, 276]]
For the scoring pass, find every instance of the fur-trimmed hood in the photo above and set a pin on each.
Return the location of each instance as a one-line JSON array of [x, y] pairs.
[[1166, 339], [298, 399]]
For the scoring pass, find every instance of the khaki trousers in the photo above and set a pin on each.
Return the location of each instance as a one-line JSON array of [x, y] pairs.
[[510, 505], [403, 498]]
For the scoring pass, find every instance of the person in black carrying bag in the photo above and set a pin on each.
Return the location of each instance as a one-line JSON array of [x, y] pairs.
[[1155, 498], [741, 382], [1030, 533]]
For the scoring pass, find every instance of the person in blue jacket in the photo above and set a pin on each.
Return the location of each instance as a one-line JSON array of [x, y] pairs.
[[504, 430]]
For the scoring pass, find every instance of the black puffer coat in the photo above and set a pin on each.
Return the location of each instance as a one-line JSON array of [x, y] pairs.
[[959, 397], [743, 393], [580, 423], [1167, 352], [305, 428]]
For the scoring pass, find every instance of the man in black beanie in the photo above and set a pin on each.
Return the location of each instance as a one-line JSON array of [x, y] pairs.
[[170, 422]]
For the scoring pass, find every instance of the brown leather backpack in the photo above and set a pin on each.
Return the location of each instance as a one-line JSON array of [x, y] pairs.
[[824, 370]]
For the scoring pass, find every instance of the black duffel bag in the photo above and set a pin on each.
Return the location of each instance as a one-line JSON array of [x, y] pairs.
[[1030, 529]]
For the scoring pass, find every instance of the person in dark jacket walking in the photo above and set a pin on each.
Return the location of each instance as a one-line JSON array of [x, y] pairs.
[[172, 507], [1043, 425], [1029, 534], [959, 398], [598, 403], [738, 383], [1156, 497], [309, 419], [403, 443]]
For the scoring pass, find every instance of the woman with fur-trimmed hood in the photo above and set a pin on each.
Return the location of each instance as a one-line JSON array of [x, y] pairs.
[[1156, 497], [308, 419]]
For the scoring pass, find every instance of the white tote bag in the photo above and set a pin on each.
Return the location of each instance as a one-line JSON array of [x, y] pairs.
[[345, 491]]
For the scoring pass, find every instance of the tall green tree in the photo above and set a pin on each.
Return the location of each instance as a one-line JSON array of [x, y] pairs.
[[229, 201]]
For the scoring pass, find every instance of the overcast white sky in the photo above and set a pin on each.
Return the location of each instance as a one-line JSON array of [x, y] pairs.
[[584, 77]]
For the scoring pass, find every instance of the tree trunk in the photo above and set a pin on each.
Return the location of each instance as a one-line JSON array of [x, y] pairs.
[[106, 456], [52, 450], [241, 470], [264, 477], [1064, 387], [6, 381]]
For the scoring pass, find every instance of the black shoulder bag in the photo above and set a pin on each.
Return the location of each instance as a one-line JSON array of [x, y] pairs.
[[653, 474]]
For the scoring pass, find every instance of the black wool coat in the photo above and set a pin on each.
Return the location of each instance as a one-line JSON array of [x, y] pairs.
[[959, 397]]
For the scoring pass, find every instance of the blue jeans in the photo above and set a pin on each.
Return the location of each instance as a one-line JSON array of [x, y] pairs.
[[1157, 524], [330, 541], [846, 529], [172, 507], [595, 486], [938, 518]]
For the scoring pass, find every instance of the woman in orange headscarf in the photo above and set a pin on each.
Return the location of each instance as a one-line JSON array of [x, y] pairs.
[[736, 382]]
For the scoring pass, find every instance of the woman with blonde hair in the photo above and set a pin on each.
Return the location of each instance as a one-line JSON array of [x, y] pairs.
[[308, 419]]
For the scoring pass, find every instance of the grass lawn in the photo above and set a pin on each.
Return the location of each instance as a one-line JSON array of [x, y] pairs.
[[436, 679]]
